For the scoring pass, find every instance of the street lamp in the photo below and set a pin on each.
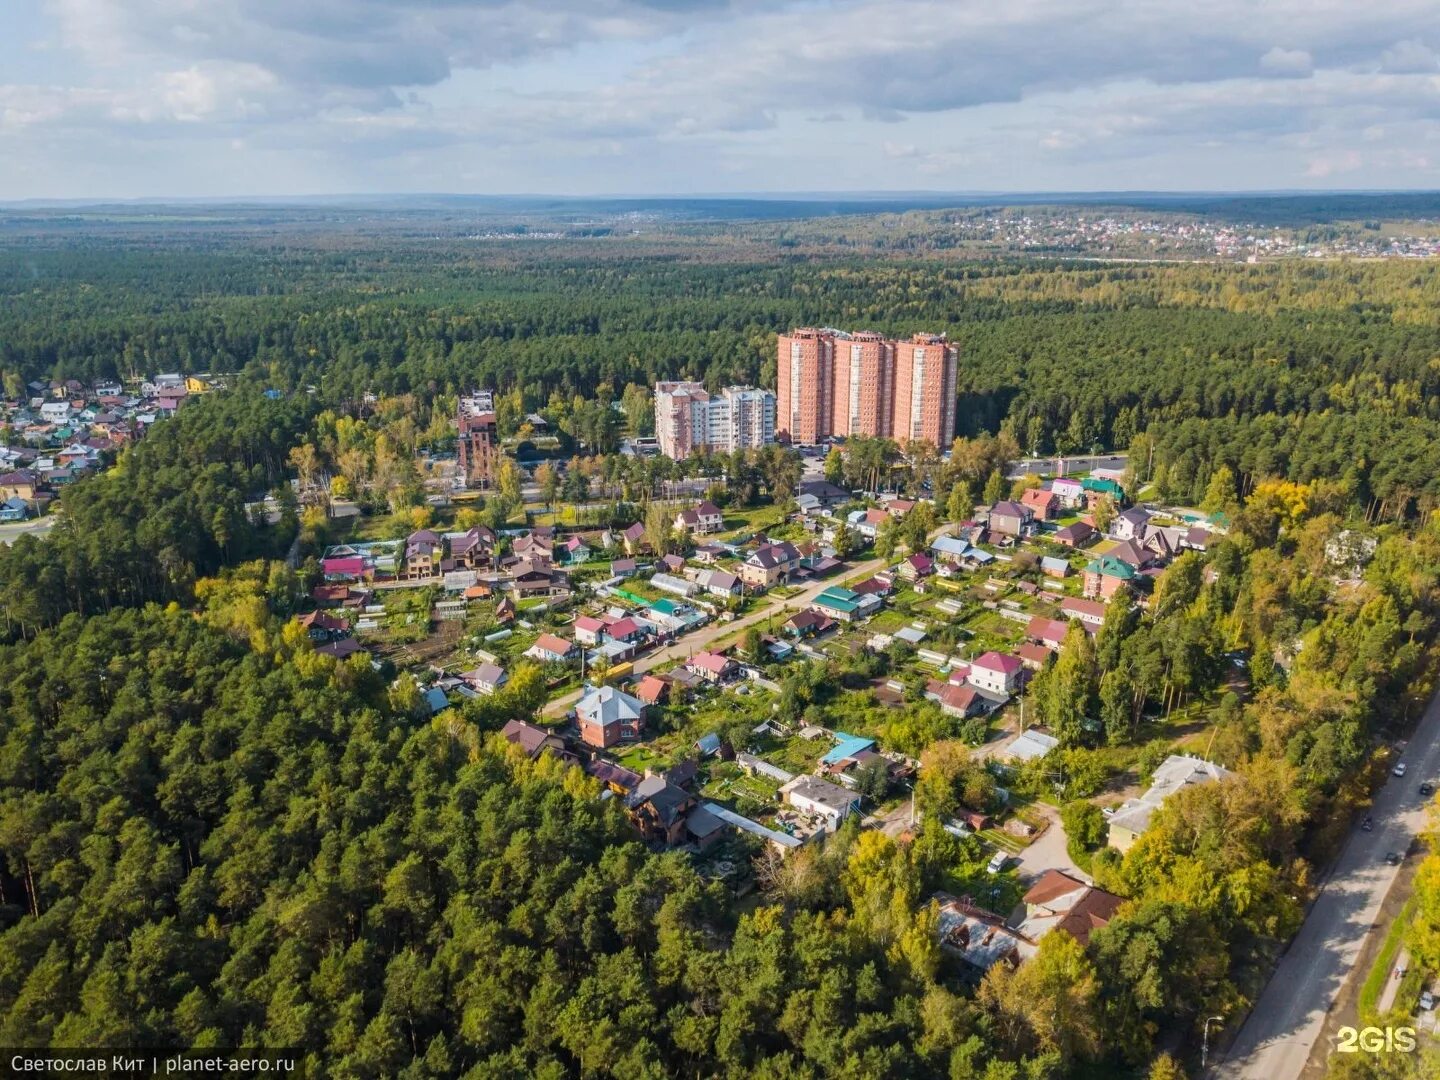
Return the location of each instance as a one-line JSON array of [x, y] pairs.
[[1205, 1041]]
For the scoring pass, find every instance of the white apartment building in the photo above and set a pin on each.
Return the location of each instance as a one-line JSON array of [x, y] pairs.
[[689, 419]]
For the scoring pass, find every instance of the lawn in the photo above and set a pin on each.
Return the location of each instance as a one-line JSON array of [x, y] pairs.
[[1384, 961], [640, 757], [751, 520]]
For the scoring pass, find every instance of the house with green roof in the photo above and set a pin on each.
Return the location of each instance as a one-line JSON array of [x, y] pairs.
[[844, 604], [1107, 575]]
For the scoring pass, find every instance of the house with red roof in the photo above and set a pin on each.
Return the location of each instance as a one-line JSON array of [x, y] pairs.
[[1049, 632], [653, 690], [916, 566], [1043, 504], [1091, 613], [588, 629], [712, 667], [551, 649]]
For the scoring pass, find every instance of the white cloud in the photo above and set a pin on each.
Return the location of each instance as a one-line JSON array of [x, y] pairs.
[[971, 92], [1280, 61]]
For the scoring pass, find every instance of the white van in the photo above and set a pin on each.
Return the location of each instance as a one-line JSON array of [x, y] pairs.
[[997, 862]]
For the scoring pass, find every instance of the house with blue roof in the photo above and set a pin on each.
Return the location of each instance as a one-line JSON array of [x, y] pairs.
[[850, 746]]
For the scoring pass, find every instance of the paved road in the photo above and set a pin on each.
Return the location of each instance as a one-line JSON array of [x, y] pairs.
[[1287, 1020], [1078, 463], [11, 531]]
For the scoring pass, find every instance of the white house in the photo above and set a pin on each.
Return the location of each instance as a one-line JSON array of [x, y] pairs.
[[811, 795], [1130, 525], [998, 673], [551, 649]]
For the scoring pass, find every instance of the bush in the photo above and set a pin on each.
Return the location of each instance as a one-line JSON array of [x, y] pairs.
[[1085, 829]]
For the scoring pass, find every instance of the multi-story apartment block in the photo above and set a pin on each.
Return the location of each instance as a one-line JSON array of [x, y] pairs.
[[831, 382], [689, 419], [478, 440]]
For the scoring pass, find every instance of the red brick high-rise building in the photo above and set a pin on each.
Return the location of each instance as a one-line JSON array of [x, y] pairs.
[[831, 382], [478, 441]]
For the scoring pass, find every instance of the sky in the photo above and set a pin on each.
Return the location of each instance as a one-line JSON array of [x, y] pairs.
[[219, 98]]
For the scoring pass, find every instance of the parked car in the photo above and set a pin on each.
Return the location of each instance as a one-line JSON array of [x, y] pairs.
[[1399, 769], [1427, 789], [997, 862], [1366, 824], [1427, 1001], [1392, 859]]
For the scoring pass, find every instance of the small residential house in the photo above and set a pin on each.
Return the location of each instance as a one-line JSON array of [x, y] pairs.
[[1045, 505], [1176, 772], [1059, 901], [1033, 656], [703, 520], [867, 522], [770, 564], [1070, 492], [551, 649], [957, 699], [917, 566], [808, 623], [607, 716], [653, 690], [1131, 524], [534, 739], [1010, 518], [573, 550], [320, 626], [719, 583], [486, 679], [1075, 535], [588, 629], [998, 673], [712, 667], [979, 938], [829, 802], [842, 604], [20, 484], [633, 539], [658, 810], [1091, 613], [1055, 567]]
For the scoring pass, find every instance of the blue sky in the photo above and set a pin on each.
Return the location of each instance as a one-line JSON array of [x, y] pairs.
[[149, 98]]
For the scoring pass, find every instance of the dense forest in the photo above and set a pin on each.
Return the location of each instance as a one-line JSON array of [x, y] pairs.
[[1272, 369], [210, 835], [174, 508]]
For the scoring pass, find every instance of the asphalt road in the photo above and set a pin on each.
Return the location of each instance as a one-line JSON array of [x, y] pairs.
[[12, 531], [1078, 463], [1287, 1020]]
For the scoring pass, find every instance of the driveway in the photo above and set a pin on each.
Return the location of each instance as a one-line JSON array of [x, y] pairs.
[[1287, 1020], [1048, 852]]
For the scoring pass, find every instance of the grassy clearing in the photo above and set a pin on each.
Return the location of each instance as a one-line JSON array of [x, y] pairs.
[[1374, 983]]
